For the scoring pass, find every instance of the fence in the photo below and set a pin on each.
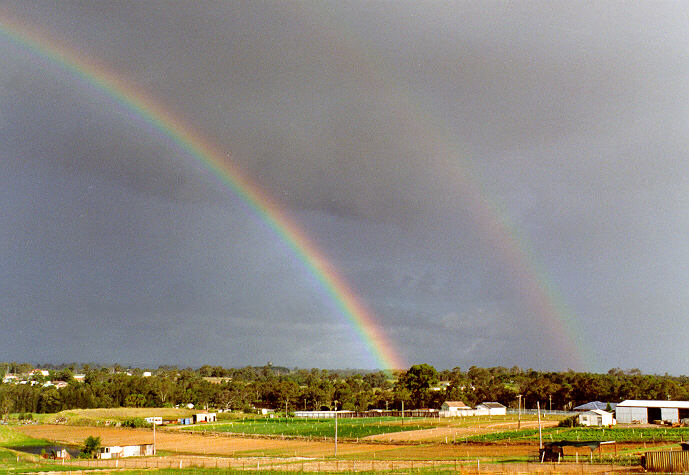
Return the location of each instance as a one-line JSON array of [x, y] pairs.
[[361, 414], [296, 464], [666, 461], [534, 412]]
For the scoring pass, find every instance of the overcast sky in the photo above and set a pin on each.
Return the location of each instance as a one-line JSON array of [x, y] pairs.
[[501, 183]]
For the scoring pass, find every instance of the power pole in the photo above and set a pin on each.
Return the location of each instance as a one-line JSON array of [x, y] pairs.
[[540, 437], [335, 428], [519, 412]]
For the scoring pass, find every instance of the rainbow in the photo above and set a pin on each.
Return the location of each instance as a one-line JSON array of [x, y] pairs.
[[557, 324], [218, 162]]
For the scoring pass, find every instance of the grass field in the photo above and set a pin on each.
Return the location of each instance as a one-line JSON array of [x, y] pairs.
[[619, 434], [346, 428]]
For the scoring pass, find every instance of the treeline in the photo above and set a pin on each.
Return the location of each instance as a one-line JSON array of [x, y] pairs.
[[248, 388]]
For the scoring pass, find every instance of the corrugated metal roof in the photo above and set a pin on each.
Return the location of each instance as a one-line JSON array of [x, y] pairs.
[[649, 403], [492, 405], [589, 406]]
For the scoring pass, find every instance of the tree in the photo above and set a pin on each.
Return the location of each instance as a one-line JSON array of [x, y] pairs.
[[418, 380], [91, 446]]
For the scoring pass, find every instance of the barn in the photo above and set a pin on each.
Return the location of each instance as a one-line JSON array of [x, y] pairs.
[[647, 411]]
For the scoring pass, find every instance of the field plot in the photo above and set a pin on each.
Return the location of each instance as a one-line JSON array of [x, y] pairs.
[[346, 428]]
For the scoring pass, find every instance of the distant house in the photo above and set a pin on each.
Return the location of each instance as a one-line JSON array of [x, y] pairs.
[[645, 411], [590, 406], [453, 408], [10, 378], [155, 420], [79, 377], [146, 374], [205, 417], [596, 417], [493, 408], [118, 451], [39, 372]]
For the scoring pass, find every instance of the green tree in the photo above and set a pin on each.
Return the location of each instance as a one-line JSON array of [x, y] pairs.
[[91, 446], [418, 380]]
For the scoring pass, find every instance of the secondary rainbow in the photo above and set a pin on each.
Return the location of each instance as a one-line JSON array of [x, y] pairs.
[[219, 163]]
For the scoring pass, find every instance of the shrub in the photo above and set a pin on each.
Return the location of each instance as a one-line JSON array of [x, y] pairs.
[[135, 422], [571, 421]]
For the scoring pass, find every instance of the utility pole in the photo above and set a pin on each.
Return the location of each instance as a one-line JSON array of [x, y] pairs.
[[154, 437], [540, 437], [335, 428], [519, 412], [402, 412], [550, 396]]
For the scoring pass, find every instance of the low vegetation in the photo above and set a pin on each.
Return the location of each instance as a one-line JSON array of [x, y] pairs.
[[346, 428]]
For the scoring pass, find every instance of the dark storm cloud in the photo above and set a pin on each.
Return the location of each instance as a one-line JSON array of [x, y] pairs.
[[444, 155]]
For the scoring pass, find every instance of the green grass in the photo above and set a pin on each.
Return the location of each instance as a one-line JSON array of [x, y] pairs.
[[618, 434], [346, 428]]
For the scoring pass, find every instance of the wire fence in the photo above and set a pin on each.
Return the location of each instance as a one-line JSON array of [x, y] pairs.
[[296, 464]]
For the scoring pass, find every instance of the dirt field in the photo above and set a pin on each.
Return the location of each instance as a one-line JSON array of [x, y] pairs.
[[452, 434], [194, 443]]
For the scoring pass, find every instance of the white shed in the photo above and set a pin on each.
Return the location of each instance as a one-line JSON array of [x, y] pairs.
[[453, 409], [596, 417], [117, 451], [647, 411], [493, 408]]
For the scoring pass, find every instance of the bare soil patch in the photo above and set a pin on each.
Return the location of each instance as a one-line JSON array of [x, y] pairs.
[[454, 434]]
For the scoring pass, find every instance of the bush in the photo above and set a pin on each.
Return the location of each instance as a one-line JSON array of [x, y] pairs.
[[135, 422], [571, 421]]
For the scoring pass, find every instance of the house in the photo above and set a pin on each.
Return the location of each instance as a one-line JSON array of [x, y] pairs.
[[10, 378], [493, 408], [79, 377], [596, 417], [205, 417], [118, 451], [648, 411], [453, 409], [590, 406], [39, 372]]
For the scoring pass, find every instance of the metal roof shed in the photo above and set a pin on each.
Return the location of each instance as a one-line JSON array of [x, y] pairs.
[[645, 411]]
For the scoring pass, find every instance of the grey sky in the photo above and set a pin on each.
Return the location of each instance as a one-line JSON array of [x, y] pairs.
[[445, 156]]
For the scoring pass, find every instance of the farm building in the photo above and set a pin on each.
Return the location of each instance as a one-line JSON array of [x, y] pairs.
[[596, 417], [493, 408], [645, 411], [320, 414], [590, 406], [453, 408], [117, 451], [205, 417]]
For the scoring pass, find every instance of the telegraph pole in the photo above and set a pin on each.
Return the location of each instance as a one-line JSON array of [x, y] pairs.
[[519, 412], [335, 428]]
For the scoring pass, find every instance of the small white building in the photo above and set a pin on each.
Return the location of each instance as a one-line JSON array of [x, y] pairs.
[[596, 417], [493, 408], [205, 417], [453, 409], [647, 411], [118, 451]]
